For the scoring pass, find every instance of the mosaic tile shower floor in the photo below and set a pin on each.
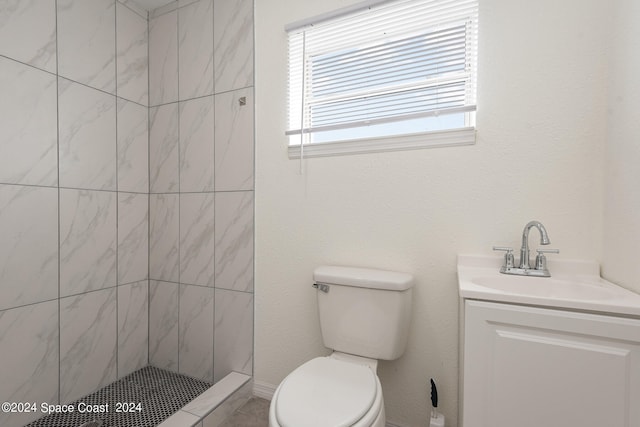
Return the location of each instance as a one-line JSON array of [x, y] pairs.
[[159, 392]]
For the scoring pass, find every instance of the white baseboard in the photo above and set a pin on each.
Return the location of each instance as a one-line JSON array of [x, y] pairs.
[[266, 391], [263, 390]]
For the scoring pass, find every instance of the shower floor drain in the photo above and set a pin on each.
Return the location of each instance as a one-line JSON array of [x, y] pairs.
[[159, 393]]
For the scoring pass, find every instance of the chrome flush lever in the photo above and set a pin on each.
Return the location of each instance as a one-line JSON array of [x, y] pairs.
[[321, 287]]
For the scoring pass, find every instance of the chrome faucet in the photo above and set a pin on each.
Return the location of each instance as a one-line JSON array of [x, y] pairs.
[[540, 269], [524, 250]]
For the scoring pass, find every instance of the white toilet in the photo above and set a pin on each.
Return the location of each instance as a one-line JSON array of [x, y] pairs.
[[364, 316]]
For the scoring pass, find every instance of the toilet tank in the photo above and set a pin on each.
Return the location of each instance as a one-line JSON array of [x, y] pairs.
[[365, 312]]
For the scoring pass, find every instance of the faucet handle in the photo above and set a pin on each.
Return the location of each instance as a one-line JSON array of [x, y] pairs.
[[508, 257], [548, 251], [541, 260]]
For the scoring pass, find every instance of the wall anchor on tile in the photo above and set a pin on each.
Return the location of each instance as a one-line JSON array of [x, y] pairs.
[[242, 101]]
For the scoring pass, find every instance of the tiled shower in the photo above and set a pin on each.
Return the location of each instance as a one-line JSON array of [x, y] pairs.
[[126, 194]]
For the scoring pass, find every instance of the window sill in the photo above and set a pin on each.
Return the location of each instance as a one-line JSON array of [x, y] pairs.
[[447, 138]]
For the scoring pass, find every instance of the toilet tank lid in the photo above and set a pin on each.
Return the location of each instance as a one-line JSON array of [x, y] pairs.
[[363, 277]]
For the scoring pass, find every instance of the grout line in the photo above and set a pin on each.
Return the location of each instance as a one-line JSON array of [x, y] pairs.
[[57, 159], [128, 192], [90, 189], [62, 187], [127, 5], [215, 197], [214, 181], [115, 40], [33, 66], [57, 74], [148, 193], [179, 167], [100, 90], [59, 221], [253, 185]]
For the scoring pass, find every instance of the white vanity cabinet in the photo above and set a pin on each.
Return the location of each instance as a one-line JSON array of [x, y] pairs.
[[527, 366]]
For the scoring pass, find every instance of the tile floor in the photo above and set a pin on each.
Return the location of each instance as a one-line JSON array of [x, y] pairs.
[[254, 413], [159, 393]]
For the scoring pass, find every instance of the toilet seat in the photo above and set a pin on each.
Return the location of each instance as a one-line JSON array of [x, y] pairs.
[[326, 391]]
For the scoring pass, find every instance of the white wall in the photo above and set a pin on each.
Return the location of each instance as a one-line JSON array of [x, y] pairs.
[[622, 175], [541, 129]]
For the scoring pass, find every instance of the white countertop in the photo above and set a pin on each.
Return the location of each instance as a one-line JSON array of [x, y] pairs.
[[574, 284]]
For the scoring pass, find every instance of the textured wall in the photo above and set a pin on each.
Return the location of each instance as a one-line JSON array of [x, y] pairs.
[[541, 131], [73, 198], [622, 175], [201, 184]]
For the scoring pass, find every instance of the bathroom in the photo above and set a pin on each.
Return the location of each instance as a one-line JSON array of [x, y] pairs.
[[556, 123]]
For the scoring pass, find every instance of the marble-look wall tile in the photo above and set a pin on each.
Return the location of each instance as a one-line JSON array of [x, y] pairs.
[[233, 339], [163, 59], [197, 238], [234, 141], [88, 240], [133, 327], [196, 332], [29, 137], [29, 245], [234, 240], [164, 237], [233, 41], [162, 10], [196, 145], [182, 3], [87, 123], [131, 4], [163, 325], [132, 55], [86, 42], [164, 148], [133, 147], [133, 237], [29, 348], [33, 24], [88, 343], [195, 49]]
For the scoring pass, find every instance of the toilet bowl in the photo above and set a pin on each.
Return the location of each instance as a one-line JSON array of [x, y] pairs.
[[334, 391]]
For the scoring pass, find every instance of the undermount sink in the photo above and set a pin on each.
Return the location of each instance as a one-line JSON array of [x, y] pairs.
[[574, 285]]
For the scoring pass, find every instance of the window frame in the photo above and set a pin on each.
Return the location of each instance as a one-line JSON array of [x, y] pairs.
[[465, 135]]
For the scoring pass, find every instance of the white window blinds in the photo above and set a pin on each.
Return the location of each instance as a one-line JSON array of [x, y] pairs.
[[395, 68]]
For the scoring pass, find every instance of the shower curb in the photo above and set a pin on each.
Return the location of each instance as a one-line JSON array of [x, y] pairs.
[[214, 406]]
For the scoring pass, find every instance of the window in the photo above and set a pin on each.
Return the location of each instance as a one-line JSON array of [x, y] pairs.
[[383, 75]]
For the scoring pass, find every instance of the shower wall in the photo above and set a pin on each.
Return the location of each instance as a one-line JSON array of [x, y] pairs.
[[113, 172], [73, 198], [201, 187]]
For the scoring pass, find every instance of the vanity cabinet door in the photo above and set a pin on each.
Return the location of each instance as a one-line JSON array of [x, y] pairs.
[[531, 367]]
